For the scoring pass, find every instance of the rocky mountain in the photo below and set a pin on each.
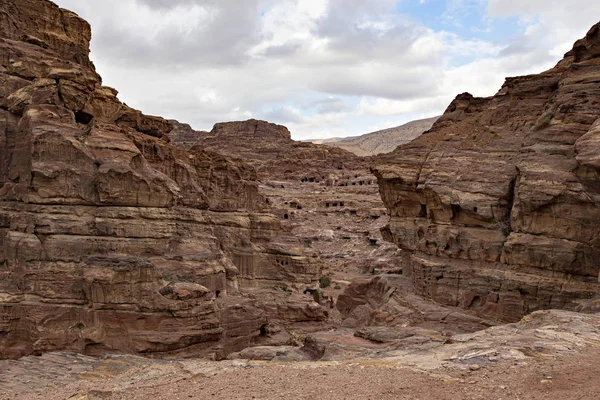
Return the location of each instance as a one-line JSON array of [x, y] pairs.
[[380, 142], [127, 236], [497, 206], [183, 135], [112, 239], [327, 197], [270, 149]]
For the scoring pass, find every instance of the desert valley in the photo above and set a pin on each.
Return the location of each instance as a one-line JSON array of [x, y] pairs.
[[453, 257]]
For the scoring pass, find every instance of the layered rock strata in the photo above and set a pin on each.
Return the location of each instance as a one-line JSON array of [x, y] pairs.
[[111, 238], [326, 196], [184, 136], [497, 204], [271, 150]]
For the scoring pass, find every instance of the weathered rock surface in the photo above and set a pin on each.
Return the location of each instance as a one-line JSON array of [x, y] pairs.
[[184, 136], [546, 350], [388, 301], [497, 206], [335, 209], [325, 196], [111, 238], [271, 150]]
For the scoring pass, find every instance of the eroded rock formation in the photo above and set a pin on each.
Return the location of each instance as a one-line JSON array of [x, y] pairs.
[[111, 238], [271, 150], [498, 203], [184, 136], [326, 196]]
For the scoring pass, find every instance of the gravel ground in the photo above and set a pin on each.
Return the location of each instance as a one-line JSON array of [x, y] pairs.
[[564, 378]]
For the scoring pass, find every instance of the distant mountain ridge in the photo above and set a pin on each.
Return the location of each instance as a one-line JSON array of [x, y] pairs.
[[380, 142]]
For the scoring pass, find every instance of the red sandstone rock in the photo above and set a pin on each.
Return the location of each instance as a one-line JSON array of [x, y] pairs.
[[270, 149], [111, 238], [497, 204], [183, 136]]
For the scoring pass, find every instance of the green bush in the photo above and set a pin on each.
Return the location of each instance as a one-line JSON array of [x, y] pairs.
[[324, 282]]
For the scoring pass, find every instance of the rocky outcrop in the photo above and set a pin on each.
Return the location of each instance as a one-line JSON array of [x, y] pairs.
[[544, 350], [370, 304], [184, 136], [111, 238], [497, 205], [326, 196], [271, 150]]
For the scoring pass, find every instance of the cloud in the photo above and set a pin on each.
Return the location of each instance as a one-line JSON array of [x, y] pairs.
[[331, 105], [170, 4], [283, 115], [181, 33], [323, 67], [549, 24]]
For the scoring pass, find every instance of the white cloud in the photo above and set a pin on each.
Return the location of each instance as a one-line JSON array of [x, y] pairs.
[[552, 24], [323, 67]]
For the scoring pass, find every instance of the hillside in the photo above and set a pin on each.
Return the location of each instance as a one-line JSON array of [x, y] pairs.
[[380, 142]]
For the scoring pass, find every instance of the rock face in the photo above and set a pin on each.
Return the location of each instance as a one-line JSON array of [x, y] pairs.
[[184, 136], [271, 150], [326, 196], [498, 203], [388, 301], [111, 238]]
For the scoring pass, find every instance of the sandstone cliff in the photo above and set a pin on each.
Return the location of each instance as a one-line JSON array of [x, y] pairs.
[[270, 149], [184, 136], [111, 238], [326, 196], [498, 204]]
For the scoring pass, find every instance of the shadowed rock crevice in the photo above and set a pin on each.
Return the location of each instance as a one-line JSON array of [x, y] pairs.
[[504, 223]]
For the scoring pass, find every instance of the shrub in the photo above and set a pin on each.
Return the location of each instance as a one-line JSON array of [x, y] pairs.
[[325, 281]]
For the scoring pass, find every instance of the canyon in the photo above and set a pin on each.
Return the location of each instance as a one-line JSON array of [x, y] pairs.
[[138, 254]]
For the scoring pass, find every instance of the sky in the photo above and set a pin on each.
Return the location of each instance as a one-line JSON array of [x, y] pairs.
[[323, 68]]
